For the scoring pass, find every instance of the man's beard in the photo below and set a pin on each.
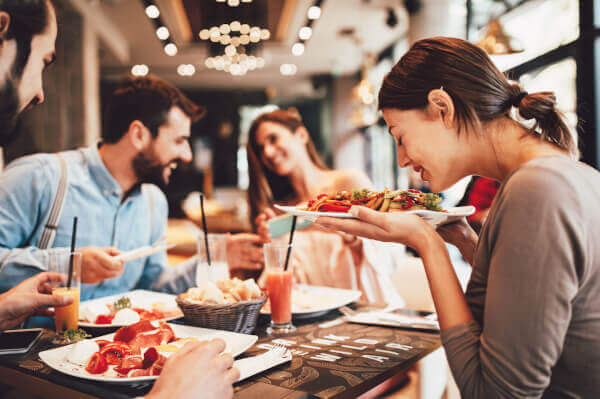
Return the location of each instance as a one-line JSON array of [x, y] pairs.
[[149, 170], [9, 111]]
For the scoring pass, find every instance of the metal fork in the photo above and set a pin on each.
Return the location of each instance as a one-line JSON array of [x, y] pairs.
[[346, 311], [278, 350]]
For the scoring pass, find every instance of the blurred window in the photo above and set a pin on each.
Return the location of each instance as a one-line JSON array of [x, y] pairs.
[[541, 26]]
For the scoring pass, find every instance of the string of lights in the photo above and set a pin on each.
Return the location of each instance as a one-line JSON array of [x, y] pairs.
[[304, 35]]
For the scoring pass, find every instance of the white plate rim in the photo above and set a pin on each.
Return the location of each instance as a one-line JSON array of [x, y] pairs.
[[353, 295], [113, 298], [44, 355], [456, 211]]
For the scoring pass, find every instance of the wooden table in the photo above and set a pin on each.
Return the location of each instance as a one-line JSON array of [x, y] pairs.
[[329, 361]]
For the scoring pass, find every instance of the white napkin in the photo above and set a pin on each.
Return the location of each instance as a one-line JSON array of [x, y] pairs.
[[257, 364], [394, 319], [142, 252]]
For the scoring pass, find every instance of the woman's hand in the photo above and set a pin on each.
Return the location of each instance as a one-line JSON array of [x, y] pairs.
[[397, 227], [411, 230], [461, 235], [262, 224], [245, 252]]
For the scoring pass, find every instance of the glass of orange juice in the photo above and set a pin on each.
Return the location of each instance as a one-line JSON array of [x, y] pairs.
[[66, 317], [279, 287]]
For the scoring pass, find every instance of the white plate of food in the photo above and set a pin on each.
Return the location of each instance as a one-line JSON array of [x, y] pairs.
[[435, 218], [313, 300], [426, 205], [140, 357], [128, 308]]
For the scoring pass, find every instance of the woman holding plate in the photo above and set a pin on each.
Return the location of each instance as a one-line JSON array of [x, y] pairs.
[[527, 325], [285, 169]]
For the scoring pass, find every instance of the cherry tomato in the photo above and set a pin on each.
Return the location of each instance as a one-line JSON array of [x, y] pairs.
[[97, 364], [104, 319]]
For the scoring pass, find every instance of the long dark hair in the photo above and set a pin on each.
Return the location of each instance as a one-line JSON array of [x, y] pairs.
[[267, 187], [28, 18], [480, 92]]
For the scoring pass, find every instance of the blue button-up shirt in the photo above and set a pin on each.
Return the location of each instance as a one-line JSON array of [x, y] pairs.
[[27, 190]]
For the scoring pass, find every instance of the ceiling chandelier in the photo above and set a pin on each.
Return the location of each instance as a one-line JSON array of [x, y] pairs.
[[235, 33], [236, 64], [233, 3]]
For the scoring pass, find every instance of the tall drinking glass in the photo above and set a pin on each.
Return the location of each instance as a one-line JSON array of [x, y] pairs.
[[218, 269], [279, 287], [66, 317]]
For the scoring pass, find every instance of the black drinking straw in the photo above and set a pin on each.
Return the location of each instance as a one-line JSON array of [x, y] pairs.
[[73, 238], [289, 250], [205, 229]]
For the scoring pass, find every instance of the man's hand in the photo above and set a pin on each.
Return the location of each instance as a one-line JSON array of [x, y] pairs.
[[97, 264], [197, 370], [23, 300], [245, 252]]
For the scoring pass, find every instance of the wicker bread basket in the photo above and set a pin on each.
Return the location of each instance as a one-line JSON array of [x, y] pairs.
[[238, 317]]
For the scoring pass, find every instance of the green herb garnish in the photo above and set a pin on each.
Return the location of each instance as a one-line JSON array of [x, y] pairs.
[[76, 335], [431, 201], [360, 194], [122, 303]]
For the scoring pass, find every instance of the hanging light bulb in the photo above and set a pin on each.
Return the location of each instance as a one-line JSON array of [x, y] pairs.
[[152, 11], [288, 69], [298, 49], [140, 70], [265, 34], [204, 34], [224, 29], [225, 40], [314, 12], [233, 3], [230, 50], [162, 33], [171, 49], [305, 33]]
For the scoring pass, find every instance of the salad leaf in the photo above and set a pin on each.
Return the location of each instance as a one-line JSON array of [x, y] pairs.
[[122, 303], [432, 201], [360, 194], [76, 335]]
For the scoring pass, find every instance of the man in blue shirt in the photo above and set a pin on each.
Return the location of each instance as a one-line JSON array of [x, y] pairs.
[[147, 126], [27, 40]]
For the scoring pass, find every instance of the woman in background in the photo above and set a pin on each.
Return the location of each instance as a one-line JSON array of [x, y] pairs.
[[528, 324], [285, 169]]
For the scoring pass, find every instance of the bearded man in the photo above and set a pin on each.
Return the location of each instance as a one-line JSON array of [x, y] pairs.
[[112, 187]]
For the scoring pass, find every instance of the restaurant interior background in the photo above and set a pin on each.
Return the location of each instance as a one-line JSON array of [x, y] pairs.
[[324, 57]]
